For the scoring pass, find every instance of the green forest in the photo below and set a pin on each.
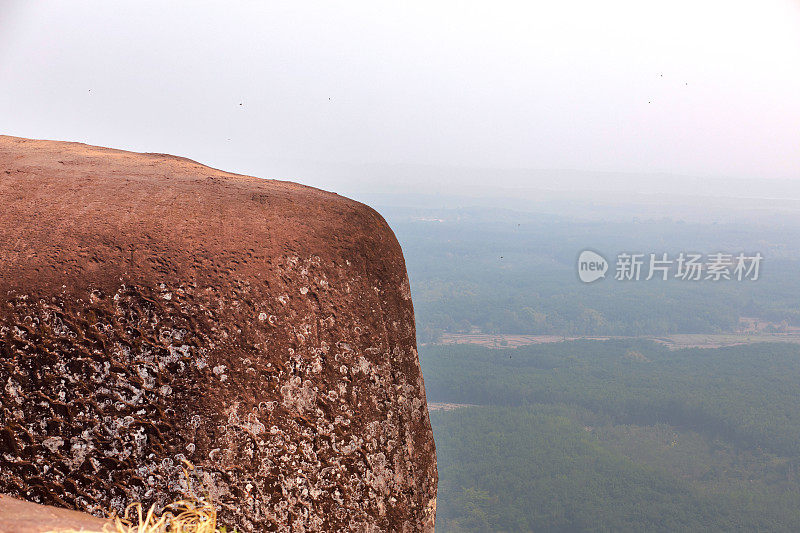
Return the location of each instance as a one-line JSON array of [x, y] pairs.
[[626, 434], [616, 436], [504, 271]]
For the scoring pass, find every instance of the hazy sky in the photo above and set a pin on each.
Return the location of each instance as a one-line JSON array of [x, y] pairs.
[[708, 88]]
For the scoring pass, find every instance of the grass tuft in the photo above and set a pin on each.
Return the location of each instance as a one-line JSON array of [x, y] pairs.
[[184, 516], [193, 514]]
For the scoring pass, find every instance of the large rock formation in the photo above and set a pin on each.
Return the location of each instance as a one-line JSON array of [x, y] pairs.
[[154, 310]]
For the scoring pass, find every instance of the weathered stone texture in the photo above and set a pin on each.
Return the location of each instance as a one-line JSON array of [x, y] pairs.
[[154, 310], [19, 516]]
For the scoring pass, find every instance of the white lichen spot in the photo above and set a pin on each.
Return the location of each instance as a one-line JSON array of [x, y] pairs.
[[405, 290], [298, 394], [53, 443], [363, 365]]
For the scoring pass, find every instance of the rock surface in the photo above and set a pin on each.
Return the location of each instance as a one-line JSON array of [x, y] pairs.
[[18, 516], [154, 310]]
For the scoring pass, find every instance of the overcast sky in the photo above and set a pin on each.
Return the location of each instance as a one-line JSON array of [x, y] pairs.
[[273, 89]]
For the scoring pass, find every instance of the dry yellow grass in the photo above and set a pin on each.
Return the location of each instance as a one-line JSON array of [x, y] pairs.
[[184, 516], [190, 515]]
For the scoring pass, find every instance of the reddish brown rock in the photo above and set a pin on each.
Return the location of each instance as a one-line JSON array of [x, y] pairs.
[[154, 310], [18, 516]]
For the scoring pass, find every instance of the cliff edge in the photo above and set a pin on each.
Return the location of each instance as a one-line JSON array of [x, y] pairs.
[[154, 310]]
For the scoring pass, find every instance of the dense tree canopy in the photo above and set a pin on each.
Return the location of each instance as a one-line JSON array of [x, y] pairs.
[[617, 436]]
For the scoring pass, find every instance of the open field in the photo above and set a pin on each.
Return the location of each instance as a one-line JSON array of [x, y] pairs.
[[444, 406], [675, 342]]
